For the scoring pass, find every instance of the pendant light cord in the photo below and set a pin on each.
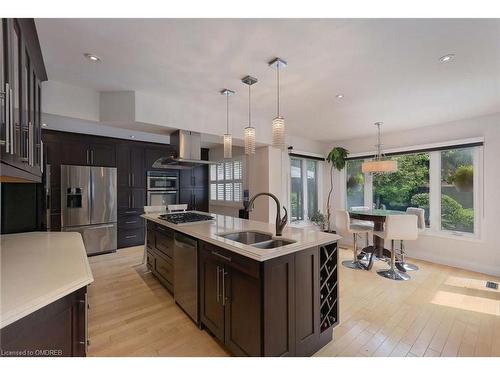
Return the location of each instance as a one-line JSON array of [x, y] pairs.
[[278, 90], [249, 104], [227, 113]]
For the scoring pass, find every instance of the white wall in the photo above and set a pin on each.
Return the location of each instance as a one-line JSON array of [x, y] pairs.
[[73, 125], [481, 255], [70, 101]]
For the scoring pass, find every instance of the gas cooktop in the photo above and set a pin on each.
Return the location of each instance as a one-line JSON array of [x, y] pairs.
[[185, 217]]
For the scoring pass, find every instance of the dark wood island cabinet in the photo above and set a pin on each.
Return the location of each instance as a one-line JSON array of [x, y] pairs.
[[284, 306]]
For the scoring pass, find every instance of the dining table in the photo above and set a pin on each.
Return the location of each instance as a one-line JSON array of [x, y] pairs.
[[377, 216]]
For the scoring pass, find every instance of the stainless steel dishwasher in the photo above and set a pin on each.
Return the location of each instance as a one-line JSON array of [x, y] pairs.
[[186, 274]]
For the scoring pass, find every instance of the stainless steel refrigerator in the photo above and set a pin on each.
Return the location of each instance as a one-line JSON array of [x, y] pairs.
[[88, 205]]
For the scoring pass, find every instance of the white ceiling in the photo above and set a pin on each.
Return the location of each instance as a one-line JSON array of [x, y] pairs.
[[387, 69]]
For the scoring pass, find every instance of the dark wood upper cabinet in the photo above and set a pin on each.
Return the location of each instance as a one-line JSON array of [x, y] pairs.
[[154, 153], [130, 165], [102, 155], [74, 152], [21, 71], [194, 177]]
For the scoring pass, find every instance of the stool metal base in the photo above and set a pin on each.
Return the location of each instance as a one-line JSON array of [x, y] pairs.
[[409, 266], [353, 265], [393, 274]]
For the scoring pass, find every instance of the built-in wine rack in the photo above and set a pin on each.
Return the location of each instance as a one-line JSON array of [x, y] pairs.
[[329, 307]]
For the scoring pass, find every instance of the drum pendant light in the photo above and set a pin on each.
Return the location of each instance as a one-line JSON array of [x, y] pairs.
[[379, 164], [228, 139], [278, 122], [249, 130]]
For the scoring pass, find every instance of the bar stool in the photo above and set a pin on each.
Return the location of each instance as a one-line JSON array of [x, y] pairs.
[[420, 214], [397, 228], [343, 224]]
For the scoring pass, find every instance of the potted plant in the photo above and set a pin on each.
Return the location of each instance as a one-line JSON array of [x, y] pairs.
[[337, 159], [463, 179], [355, 182], [318, 219]]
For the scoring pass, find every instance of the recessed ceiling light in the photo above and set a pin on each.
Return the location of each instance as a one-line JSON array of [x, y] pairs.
[[339, 96], [92, 57], [132, 136], [44, 125], [447, 58]]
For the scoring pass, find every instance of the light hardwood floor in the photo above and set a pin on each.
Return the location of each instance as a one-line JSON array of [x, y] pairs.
[[442, 311]]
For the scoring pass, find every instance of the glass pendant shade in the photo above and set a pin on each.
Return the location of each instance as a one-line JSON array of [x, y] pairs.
[[382, 166], [228, 146], [279, 132], [249, 140]]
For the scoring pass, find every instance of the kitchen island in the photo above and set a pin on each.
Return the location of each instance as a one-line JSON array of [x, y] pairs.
[[258, 294], [43, 306]]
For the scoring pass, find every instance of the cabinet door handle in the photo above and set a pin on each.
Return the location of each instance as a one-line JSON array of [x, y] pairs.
[[218, 284], [92, 156], [129, 201], [88, 159], [131, 222], [30, 143], [6, 97], [129, 180], [130, 212], [133, 201], [228, 259], [224, 273], [11, 110], [129, 237], [133, 182]]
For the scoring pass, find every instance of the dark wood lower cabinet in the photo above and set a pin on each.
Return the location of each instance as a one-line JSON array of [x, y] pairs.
[[269, 308], [286, 306], [56, 330]]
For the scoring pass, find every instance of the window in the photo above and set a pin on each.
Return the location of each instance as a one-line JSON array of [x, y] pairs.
[[408, 187], [303, 188], [226, 181], [457, 190], [355, 184], [441, 182]]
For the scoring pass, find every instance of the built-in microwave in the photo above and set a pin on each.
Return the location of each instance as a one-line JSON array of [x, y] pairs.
[[159, 180]]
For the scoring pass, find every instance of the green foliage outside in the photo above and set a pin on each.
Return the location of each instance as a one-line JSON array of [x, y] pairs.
[[453, 215], [463, 178], [395, 190]]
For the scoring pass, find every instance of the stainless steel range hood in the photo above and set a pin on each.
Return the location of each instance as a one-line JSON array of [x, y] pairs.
[[187, 151]]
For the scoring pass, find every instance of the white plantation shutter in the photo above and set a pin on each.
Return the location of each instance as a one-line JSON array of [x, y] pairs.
[[213, 172], [213, 191], [220, 171], [229, 171], [220, 192], [237, 170], [229, 192], [237, 193], [226, 181]]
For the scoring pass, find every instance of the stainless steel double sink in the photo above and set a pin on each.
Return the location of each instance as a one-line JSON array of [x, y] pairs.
[[257, 239]]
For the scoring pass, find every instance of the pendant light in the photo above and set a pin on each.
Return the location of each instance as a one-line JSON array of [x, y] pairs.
[[379, 163], [278, 122], [249, 130], [228, 139]]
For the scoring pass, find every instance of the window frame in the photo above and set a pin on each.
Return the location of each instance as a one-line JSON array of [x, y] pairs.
[[435, 195], [225, 181]]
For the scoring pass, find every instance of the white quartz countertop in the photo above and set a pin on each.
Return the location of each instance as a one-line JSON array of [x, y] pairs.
[[38, 268], [208, 231]]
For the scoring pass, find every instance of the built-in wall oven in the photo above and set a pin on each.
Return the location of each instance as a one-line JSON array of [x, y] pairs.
[[163, 188]]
